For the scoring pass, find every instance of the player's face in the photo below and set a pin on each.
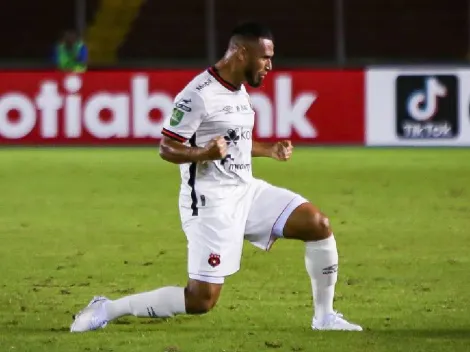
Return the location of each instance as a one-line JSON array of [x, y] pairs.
[[259, 62]]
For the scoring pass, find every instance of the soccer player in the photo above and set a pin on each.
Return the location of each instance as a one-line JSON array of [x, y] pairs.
[[209, 134]]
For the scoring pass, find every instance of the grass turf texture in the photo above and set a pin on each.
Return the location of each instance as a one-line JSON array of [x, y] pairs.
[[80, 222]]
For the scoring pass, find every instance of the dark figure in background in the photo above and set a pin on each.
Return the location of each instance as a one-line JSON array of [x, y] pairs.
[[71, 53]]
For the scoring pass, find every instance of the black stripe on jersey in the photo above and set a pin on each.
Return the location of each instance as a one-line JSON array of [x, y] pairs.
[[192, 179], [173, 135], [215, 73]]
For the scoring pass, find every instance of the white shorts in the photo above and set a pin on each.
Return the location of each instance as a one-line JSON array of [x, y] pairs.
[[257, 213]]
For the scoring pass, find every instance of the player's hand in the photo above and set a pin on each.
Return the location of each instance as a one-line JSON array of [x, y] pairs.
[[282, 150], [216, 149]]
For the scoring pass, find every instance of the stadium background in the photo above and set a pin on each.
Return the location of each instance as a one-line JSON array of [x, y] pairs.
[[334, 82], [194, 33], [75, 222]]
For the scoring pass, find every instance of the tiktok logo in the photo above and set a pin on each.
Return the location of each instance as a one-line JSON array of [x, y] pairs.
[[427, 106], [423, 104]]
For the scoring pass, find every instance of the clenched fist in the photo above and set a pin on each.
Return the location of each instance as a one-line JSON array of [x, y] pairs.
[[282, 150], [216, 149]]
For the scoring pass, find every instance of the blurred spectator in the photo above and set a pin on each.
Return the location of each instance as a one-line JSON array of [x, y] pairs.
[[71, 53]]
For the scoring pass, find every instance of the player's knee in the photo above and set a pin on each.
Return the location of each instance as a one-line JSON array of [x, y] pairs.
[[203, 305], [199, 304], [307, 223], [319, 226], [200, 301]]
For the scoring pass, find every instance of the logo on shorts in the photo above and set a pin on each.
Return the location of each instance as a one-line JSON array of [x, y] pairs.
[[214, 260]]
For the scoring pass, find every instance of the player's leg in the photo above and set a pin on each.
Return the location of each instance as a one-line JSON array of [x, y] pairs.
[[206, 274], [291, 216], [197, 297], [215, 242], [307, 223]]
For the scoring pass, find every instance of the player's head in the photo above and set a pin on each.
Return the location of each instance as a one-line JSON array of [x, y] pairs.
[[254, 49]]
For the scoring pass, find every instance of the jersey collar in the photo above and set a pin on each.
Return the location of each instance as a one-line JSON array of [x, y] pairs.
[[215, 73]]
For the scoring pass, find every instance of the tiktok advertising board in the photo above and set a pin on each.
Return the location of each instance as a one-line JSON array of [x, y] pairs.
[[128, 107], [413, 106]]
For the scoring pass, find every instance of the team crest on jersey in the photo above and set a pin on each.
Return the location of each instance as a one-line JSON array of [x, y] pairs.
[[232, 137], [214, 260], [176, 117]]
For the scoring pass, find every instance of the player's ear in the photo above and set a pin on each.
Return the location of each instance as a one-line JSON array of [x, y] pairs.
[[242, 53]]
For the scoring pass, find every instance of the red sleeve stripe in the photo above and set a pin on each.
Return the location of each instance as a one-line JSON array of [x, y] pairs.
[[173, 135]]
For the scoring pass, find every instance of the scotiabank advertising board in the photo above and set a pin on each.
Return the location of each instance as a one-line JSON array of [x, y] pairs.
[[128, 108]]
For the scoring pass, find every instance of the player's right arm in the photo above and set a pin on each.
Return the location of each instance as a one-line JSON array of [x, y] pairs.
[[178, 153], [188, 112]]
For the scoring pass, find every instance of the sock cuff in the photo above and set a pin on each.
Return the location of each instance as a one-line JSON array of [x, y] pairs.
[[327, 243]]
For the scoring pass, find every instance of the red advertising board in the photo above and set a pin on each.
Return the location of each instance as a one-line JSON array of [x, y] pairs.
[[128, 107]]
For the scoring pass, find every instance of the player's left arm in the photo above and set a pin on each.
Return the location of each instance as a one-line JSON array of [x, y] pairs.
[[281, 150]]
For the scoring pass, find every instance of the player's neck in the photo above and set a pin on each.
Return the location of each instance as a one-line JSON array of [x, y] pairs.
[[227, 71]]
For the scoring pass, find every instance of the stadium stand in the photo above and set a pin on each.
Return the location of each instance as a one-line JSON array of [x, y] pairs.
[[397, 30], [166, 30], [112, 22], [407, 30], [174, 31], [30, 29]]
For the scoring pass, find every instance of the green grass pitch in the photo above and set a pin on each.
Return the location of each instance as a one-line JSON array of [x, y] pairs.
[[79, 222]]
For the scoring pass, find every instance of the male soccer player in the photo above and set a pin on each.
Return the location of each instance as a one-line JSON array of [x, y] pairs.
[[209, 134]]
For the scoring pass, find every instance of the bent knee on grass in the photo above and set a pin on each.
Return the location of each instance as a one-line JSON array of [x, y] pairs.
[[201, 297]]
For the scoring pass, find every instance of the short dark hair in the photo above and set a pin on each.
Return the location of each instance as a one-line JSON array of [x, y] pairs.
[[252, 30]]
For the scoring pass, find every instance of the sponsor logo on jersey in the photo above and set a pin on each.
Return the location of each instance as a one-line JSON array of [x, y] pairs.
[[183, 104], [228, 109], [239, 167], [239, 108], [234, 135], [243, 108], [204, 84], [229, 164], [227, 158]]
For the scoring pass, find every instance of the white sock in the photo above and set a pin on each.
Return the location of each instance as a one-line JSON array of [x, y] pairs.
[[321, 261], [163, 302]]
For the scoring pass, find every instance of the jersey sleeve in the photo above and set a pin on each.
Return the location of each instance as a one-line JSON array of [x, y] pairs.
[[187, 114]]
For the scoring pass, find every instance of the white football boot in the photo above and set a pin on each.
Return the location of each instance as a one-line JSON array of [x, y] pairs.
[[92, 317], [334, 321]]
